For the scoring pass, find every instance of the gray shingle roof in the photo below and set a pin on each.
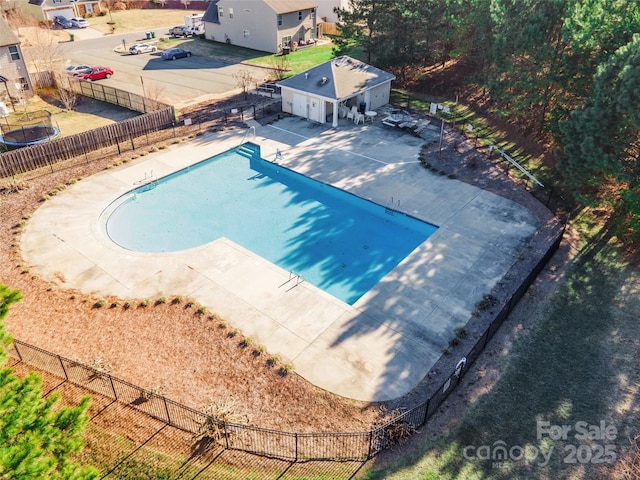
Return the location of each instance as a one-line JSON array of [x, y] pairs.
[[287, 6], [339, 78], [7, 37], [211, 14], [278, 6]]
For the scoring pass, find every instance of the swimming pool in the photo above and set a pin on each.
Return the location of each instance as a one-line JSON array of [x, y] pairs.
[[332, 239]]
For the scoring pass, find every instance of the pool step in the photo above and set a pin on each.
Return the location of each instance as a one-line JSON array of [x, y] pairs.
[[249, 150]]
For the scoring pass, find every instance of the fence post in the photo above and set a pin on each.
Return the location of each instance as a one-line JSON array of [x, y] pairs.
[[64, 370], [296, 437], [113, 388], [226, 434], [426, 411], [370, 444], [166, 409], [133, 145], [15, 346]]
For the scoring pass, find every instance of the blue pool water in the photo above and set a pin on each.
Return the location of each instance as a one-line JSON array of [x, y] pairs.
[[334, 240]]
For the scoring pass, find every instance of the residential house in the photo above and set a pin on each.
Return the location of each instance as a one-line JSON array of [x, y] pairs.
[[13, 70], [326, 9], [319, 93], [47, 9], [266, 25]]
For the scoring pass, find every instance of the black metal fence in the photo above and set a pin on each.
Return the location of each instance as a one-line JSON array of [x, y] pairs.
[[292, 446], [256, 111]]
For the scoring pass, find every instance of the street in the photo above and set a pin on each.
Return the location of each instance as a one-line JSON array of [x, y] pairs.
[[179, 82]]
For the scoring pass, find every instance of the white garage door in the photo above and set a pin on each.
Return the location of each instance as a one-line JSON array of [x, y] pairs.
[[64, 12]]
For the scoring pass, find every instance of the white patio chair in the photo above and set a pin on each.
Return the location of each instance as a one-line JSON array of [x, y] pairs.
[[352, 113]]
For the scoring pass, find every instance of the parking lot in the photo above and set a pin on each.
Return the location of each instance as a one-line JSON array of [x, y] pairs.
[[207, 75]]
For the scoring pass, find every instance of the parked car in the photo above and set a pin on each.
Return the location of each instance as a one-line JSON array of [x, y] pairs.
[[139, 48], [62, 22], [173, 53], [76, 69], [96, 73], [197, 29], [78, 22], [180, 31]]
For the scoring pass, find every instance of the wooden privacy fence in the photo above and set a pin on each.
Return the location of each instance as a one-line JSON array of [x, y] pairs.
[[293, 446], [94, 144]]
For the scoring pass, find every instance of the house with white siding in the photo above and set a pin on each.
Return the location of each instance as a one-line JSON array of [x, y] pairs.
[[320, 92], [266, 25], [326, 9], [14, 78]]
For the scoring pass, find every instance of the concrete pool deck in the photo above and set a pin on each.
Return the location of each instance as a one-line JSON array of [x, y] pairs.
[[378, 349]]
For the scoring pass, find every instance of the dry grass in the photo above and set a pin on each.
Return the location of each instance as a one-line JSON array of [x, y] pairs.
[[141, 20], [31, 33]]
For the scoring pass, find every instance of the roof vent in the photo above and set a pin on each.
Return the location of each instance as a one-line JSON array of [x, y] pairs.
[[324, 80], [306, 75]]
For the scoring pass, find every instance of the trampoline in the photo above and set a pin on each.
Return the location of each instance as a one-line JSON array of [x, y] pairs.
[[28, 129]]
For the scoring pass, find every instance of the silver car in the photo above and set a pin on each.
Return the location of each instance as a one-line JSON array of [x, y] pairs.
[[139, 48], [78, 22], [74, 70]]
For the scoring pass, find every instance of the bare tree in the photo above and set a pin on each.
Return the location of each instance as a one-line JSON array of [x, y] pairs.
[[278, 66], [64, 92], [244, 80], [154, 92], [44, 52]]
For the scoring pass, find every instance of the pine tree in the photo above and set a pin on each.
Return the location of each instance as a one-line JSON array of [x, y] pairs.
[[36, 435]]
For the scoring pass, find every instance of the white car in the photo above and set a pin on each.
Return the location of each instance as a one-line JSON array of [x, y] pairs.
[[74, 70], [141, 48], [78, 22]]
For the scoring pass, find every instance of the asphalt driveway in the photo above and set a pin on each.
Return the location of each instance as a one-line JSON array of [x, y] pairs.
[[207, 75]]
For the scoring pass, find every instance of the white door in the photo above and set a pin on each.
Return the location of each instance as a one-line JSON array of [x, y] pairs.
[[314, 109], [300, 105]]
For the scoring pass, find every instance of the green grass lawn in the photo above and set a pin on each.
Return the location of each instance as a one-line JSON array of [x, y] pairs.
[[578, 363], [298, 61], [293, 64]]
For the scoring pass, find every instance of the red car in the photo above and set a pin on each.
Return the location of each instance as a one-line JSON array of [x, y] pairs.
[[96, 73]]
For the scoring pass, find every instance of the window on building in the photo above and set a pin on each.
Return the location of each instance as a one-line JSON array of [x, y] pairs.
[[13, 51], [313, 14], [220, 12], [57, 1], [231, 13], [24, 85], [299, 15], [88, 7], [286, 41], [279, 20], [245, 33]]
